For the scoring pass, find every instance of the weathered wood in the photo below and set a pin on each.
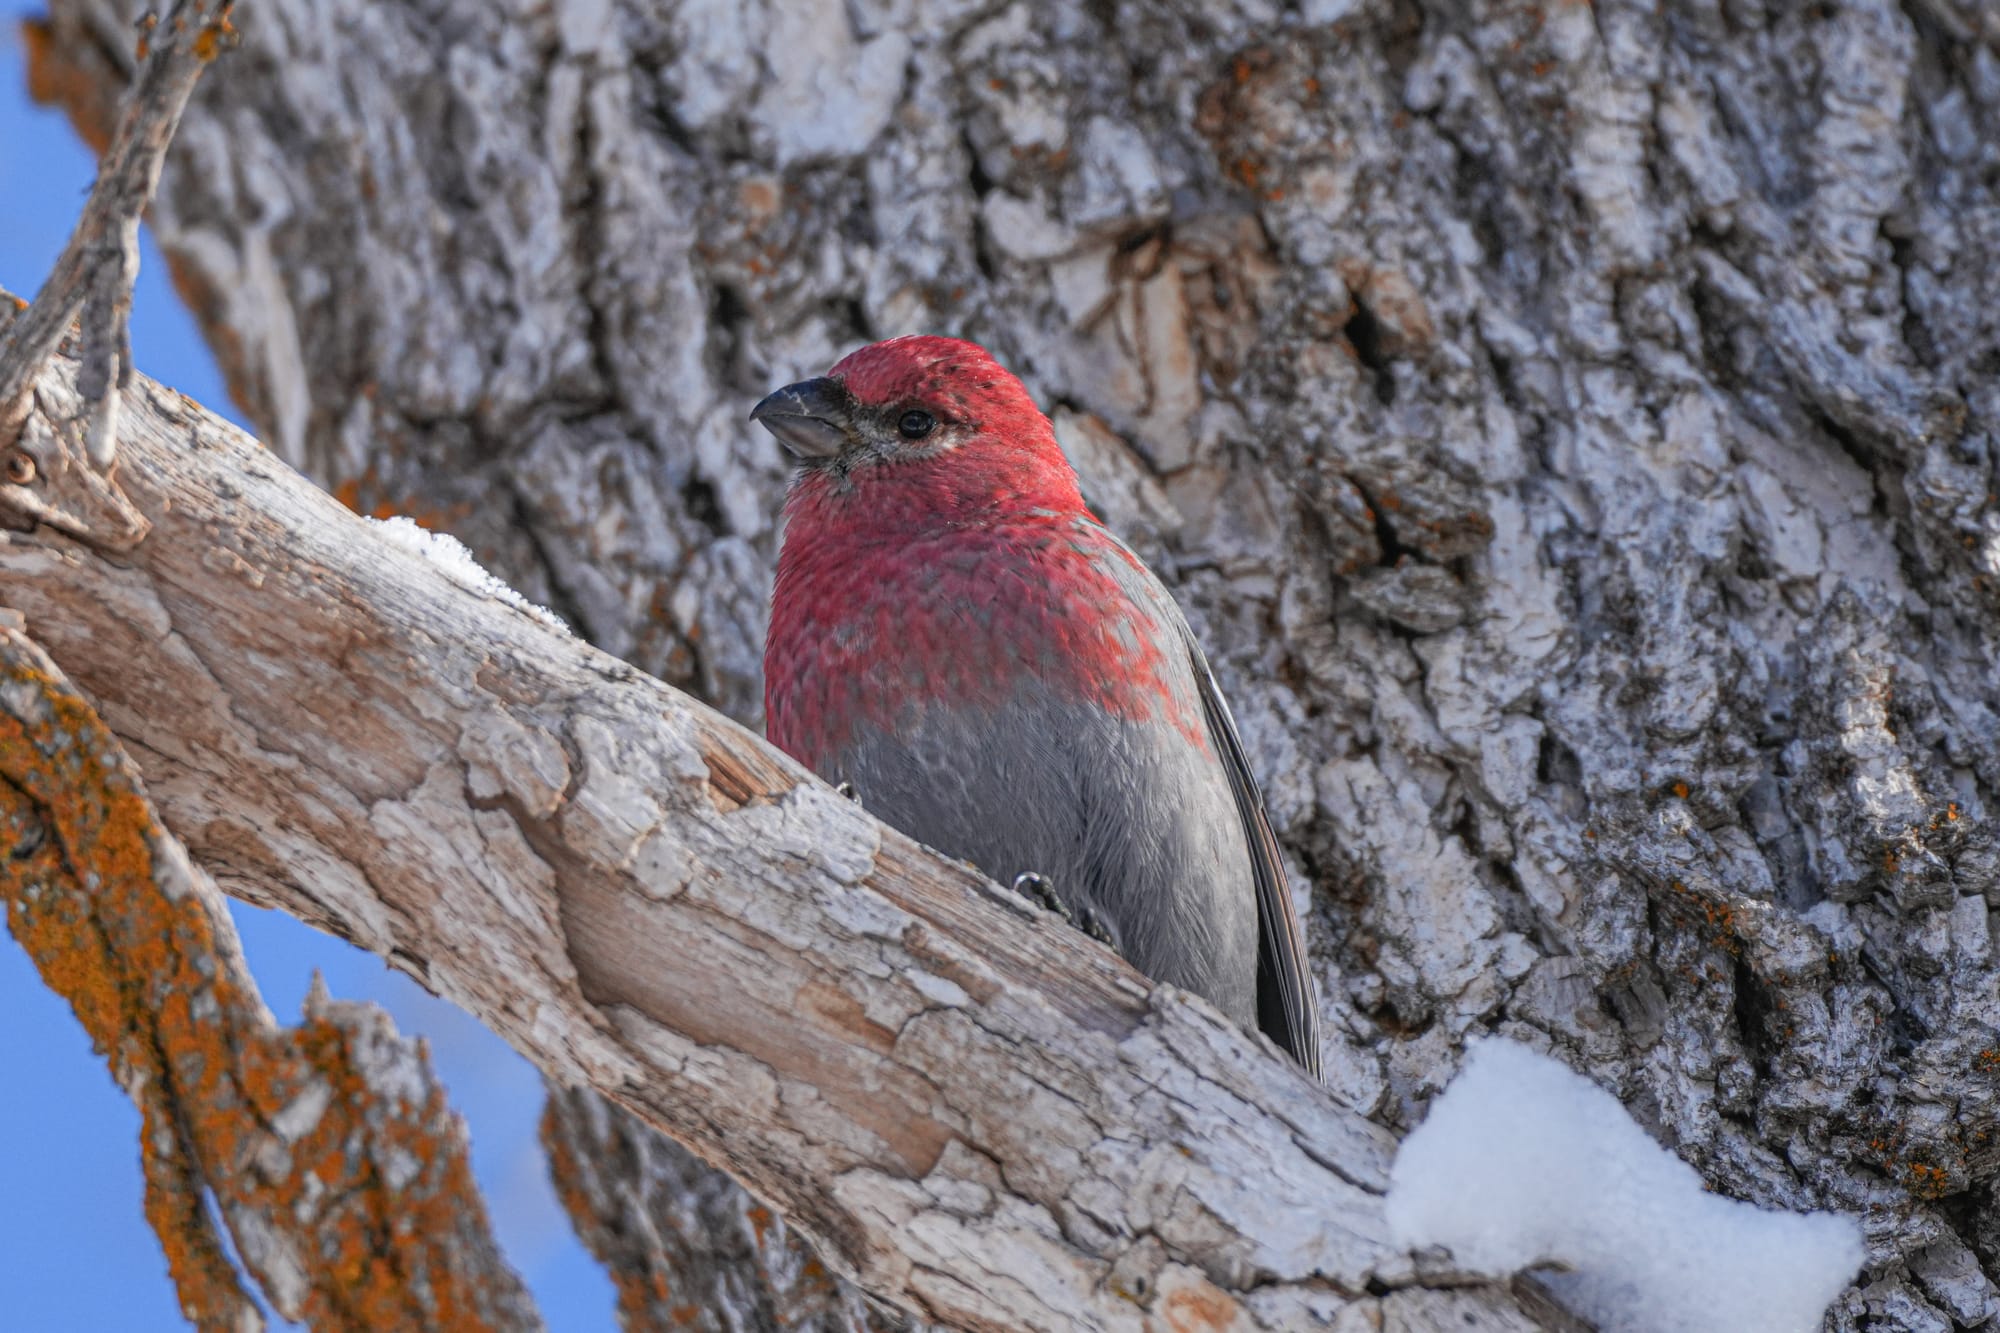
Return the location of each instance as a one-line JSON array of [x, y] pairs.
[[326, 1151], [979, 1114], [98, 266]]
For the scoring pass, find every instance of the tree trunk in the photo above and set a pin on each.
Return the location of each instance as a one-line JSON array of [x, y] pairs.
[[1570, 427]]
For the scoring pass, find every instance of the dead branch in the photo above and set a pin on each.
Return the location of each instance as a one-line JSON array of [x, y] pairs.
[[98, 266], [331, 1155]]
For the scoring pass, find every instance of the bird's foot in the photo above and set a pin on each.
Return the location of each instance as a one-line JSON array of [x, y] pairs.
[[1038, 890], [847, 789]]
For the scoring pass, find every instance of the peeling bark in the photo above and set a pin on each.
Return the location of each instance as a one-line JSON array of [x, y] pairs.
[[1570, 425], [328, 1150]]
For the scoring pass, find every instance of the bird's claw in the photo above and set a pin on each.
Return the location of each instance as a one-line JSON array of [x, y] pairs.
[[1038, 890], [847, 789]]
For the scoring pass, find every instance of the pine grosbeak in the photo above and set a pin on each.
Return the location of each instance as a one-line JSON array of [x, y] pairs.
[[954, 634]]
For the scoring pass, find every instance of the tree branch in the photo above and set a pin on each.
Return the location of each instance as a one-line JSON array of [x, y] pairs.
[[328, 1149], [94, 274], [981, 1116]]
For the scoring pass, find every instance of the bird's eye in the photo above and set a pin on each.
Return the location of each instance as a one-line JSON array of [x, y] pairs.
[[20, 467], [916, 425]]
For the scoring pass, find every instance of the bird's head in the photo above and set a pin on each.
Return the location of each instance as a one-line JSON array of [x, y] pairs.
[[906, 400]]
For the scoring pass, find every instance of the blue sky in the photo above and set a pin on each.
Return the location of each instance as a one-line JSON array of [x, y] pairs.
[[75, 1251]]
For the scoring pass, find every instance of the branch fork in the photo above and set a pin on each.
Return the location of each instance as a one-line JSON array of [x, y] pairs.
[[60, 473]]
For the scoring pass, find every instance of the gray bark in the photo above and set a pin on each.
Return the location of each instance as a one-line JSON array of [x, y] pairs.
[[1571, 428], [686, 1246]]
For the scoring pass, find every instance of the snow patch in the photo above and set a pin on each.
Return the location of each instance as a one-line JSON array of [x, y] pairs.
[[450, 554], [1524, 1162]]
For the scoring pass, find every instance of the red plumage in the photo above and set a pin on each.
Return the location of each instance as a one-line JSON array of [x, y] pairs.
[[995, 527]]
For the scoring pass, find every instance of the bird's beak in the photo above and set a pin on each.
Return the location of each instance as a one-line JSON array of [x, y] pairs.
[[812, 418]]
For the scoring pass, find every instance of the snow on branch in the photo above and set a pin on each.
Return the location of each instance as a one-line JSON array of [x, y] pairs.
[[978, 1114], [1523, 1162]]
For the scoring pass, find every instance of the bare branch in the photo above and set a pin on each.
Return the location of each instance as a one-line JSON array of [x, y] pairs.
[[97, 268], [328, 1149], [981, 1116]]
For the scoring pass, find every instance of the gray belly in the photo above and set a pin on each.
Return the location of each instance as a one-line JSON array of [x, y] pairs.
[[1131, 819]]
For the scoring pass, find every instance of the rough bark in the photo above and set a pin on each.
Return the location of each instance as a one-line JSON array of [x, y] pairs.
[[979, 1113], [686, 1247], [1571, 426], [328, 1150]]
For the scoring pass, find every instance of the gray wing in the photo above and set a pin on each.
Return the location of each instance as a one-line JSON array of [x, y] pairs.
[[1285, 1007]]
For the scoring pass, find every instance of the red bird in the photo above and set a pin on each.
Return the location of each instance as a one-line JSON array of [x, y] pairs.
[[994, 673]]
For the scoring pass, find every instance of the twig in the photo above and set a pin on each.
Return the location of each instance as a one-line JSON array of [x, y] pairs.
[[97, 268]]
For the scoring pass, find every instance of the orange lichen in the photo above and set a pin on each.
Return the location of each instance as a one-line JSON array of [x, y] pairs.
[[119, 973], [214, 38], [1926, 1181], [1930, 1168], [139, 953], [1718, 913], [363, 495]]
